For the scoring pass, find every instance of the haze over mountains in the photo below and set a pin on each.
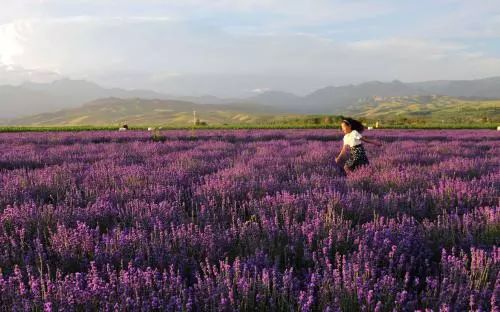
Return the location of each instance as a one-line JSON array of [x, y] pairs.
[[115, 111], [31, 99], [337, 99]]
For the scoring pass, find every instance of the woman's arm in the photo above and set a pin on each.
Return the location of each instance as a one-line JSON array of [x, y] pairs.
[[364, 139], [342, 153]]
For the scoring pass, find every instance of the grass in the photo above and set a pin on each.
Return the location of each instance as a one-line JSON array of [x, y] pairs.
[[434, 125], [114, 128]]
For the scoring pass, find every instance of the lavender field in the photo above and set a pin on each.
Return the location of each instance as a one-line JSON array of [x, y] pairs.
[[249, 220]]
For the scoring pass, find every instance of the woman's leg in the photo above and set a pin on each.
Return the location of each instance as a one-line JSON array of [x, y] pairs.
[[350, 164], [341, 164]]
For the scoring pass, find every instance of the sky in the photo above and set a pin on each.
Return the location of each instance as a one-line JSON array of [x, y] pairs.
[[244, 47]]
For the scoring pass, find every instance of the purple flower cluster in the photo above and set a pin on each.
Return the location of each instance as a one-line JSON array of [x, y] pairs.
[[249, 220]]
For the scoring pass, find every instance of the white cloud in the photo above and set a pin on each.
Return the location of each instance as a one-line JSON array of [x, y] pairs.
[[261, 90], [478, 19], [14, 75], [11, 42], [178, 57], [229, 47]]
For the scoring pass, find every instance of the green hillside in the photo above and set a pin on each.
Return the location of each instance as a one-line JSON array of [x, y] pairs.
[[428, 109], [414, 111], [114, 111]]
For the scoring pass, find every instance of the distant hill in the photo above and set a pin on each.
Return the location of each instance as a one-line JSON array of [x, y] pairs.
[[34, 98], [15, 101], [137, 111], [331, 99], [427, 108], [115, 111], [85, 91], [483, 88], [280, 100], [336, 100]]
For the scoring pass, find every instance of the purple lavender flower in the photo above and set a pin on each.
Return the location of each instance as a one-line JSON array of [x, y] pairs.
[[248, 220]]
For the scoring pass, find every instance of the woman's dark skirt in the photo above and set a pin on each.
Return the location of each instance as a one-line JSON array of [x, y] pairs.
[[357, 158]]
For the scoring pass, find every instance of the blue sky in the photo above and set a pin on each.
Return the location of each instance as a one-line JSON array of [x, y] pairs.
[[237, 48]]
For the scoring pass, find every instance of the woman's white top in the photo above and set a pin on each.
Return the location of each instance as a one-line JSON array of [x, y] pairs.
[[352, 138]]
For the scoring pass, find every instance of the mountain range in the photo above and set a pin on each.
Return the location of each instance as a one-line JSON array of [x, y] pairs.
[[338, 99], [139, 111], [32, 99]]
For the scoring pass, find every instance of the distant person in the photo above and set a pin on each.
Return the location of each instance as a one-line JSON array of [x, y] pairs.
[[353, 139], [123, 128]]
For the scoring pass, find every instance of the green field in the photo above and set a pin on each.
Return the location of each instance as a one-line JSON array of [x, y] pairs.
[[246, 126]]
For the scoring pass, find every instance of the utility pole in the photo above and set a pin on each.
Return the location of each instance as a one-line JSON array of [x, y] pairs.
[[194, 117]]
